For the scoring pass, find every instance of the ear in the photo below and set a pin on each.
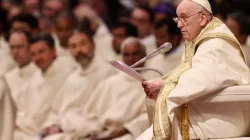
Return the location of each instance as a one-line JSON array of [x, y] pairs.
[[54, 52], [203, 20]]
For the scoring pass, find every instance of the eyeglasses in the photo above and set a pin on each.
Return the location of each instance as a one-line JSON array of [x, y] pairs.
[[183, 19]]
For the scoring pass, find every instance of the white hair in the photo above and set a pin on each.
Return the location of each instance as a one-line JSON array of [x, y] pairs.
[[131, 40]]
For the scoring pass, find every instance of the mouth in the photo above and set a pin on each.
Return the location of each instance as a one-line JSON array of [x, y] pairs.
[[39, 63]]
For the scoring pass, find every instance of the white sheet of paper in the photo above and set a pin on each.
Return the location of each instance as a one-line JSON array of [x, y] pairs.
[[125, 68]]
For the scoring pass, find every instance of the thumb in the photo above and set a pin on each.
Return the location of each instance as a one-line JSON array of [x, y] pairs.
[[145, 84]]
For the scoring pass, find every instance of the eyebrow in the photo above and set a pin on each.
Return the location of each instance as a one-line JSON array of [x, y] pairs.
[[183, 14]]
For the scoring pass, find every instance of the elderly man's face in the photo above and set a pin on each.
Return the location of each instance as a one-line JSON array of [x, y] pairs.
[[189, 20], [81, 48], [132, 53]]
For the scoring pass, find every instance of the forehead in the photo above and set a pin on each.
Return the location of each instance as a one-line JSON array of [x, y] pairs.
[[119, 29], [39, 45], [64, 22], [132, 47], [19, 24], [77, 37], [17, 35], [140, 13], [163, 28], [185, 7]]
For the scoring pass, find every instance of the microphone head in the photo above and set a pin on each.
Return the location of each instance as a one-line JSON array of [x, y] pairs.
[[165, 47]]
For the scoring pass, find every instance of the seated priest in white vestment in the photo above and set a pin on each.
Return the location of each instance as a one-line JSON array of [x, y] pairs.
[[78, 90], [213, 60], [237, 22], [7, 112], [119, 109], [43, 91], [102, 36], [18, 78], [167, 31], [64, 27], [120, 32]]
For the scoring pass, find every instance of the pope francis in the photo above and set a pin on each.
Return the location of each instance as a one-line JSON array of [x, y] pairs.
[[213, 61]]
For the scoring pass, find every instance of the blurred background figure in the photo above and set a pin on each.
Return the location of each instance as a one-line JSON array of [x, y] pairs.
[[64, 26], [26, 22], [90, 22], [32, 7], [51, 8], [163, 10], [15, 9], [238, 23], [143, 18], [6, 63], [120, 32], [166, 31]]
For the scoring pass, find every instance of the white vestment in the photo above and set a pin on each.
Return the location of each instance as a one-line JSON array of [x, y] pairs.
[[150, 43], [18, 79], [6, 61], [37, 99], [167, 62], [63, 52], [248, 41], [7, 112], [119, 103], [118, 57], [215, 65], [77, 92], [103, 42], [246, 50]]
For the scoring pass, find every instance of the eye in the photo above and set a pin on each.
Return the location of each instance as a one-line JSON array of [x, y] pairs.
[[184, 18]]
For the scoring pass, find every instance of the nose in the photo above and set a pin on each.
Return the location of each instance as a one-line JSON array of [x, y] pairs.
[[78, 50], [35, 58], [179, 24], [14, 51], [131, 59]]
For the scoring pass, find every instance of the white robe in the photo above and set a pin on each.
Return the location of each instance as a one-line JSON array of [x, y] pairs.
[[19, 78], [167, 62], [119, 103], [216, 65], [103, 42], [36, 101], [77, 91], [64, 52], [7, 112], [6, 61], [150, 43], [246, 50]]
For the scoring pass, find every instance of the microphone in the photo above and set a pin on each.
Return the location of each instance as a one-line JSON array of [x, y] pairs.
[[162, 49]]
